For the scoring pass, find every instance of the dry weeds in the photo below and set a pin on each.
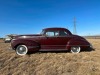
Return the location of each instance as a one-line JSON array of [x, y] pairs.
[[84, 63]]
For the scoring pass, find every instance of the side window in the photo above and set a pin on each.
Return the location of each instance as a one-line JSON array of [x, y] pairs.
[[57, 33], [52, 33], [62, 33], [49, 33]]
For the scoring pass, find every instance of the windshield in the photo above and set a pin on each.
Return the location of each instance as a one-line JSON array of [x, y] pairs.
[[42, 32]]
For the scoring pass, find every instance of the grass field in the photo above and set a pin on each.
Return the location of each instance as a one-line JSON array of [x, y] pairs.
[[65, 63]]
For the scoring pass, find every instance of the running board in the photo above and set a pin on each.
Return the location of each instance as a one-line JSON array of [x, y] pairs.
[[53, 50]]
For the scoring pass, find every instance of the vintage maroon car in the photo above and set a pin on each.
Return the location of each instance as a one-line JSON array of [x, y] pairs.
[[50, 39]]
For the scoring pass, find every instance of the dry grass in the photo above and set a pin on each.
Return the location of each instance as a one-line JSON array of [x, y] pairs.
[[84, 63]]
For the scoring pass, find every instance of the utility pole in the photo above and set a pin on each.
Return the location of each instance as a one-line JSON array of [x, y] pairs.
[[74, 30]]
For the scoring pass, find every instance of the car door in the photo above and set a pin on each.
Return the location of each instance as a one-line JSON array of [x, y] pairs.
[[63, 38], [50, 40]]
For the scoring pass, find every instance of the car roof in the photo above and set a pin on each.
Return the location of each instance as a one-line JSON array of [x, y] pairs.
[[55, 28], [58, 28]]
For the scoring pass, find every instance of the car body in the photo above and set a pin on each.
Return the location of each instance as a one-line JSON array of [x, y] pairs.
[[50, 39]]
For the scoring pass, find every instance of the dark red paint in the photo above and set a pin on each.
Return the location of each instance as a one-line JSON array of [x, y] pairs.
[[63, 39]]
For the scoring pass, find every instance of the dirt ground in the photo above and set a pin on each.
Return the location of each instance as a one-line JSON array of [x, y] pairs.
[[65, 63]]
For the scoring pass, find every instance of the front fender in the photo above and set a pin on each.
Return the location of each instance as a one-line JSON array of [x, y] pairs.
[[29, 43]]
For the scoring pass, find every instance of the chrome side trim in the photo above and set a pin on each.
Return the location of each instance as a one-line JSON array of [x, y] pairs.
[[33, 46], [53, 45], [78, 45], [65, 45], [53, 49]]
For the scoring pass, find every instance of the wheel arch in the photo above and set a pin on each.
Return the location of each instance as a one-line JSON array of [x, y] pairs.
[[18, 45], [18, 42], [76, 42]]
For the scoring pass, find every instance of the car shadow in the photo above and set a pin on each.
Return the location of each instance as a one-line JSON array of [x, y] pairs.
[[88, 50]]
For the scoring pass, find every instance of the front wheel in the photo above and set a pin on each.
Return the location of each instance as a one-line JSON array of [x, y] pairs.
[[21, 50], [75, 49]]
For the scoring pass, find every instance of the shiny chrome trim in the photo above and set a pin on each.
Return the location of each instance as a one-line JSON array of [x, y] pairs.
[[33, 46], [78, 45], [65, 45], [53, 49], [53, 45]]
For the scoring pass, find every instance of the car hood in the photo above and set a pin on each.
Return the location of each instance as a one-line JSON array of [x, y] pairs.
[[27, 36]]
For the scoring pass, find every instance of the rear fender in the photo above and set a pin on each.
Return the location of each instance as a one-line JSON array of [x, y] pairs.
[[77, 42]]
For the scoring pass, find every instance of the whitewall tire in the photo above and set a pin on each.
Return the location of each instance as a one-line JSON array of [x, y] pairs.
[[75, 49], [21, 50]]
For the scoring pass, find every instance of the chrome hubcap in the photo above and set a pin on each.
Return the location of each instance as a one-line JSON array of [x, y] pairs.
[[75, 49], [21, 50]]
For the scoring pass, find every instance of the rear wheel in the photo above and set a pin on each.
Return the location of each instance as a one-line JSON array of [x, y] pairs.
[[21, 50], [75, 49]]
